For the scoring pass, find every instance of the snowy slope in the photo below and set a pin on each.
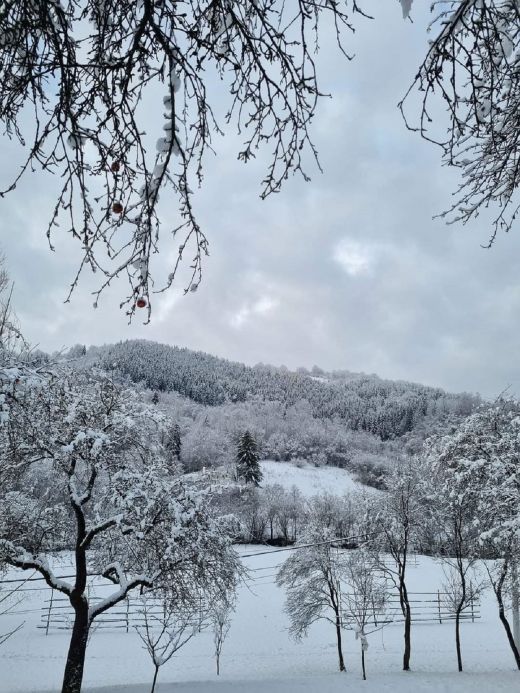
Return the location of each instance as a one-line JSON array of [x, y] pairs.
[[309, 479], [259, 657]]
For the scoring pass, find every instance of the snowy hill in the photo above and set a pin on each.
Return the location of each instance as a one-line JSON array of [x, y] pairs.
[[356, 422], [386, 408]]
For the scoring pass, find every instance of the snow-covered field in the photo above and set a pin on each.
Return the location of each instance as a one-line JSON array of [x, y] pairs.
[[259, 657], [309, 479]]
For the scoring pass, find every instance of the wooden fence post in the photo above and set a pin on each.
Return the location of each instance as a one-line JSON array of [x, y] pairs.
[[439, 605], [49, 612], [374, 612]]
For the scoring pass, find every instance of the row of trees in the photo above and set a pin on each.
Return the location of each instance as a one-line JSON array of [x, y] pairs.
[[90, 468], [459, 502]]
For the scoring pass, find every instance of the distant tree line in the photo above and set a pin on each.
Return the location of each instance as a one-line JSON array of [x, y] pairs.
[[385, 408]]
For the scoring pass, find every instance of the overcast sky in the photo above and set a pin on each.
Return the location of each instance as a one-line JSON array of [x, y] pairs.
[[348, 271]]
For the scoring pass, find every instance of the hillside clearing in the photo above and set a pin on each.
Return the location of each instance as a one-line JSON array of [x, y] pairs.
[[308, 479]]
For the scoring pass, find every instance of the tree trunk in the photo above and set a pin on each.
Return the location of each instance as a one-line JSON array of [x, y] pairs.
[[509, 634], [457, 637], [363, 663], [401, 558], [218, 665], [407, 613], [73, 676], [155, 675], [340, 651], [407, 638], [504, 621], [515, 603], [460, 606], [335, 601]]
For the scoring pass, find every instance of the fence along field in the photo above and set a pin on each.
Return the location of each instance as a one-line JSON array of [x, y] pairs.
[[55, 612]]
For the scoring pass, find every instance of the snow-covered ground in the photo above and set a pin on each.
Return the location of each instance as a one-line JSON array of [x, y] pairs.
[[259, 657], [309, 479]]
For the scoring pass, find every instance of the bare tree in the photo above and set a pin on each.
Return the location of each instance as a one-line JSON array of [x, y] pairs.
[[220, 615], [165, 629], [312, 578], [460, 561], [84, 68], [366, 594], [454, 495], [398, 522], [11, 338], [462, 586], [273, 496], [471, 71]]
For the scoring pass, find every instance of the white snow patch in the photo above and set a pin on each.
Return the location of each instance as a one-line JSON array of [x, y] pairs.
[[310, 480]]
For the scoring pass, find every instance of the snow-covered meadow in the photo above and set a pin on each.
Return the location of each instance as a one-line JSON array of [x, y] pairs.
[[259, 656], [309, 480]]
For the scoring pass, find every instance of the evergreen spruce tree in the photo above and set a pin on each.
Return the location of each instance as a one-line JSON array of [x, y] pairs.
[[174, 443], [248, 468]]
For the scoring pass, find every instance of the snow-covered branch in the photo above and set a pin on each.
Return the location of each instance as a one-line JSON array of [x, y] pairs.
[[18, 557], [116, 574]]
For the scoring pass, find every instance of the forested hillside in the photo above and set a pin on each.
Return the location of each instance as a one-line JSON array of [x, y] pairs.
[[386, 408]]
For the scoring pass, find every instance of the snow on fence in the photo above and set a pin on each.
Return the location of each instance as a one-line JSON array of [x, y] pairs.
[[57, 614]]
